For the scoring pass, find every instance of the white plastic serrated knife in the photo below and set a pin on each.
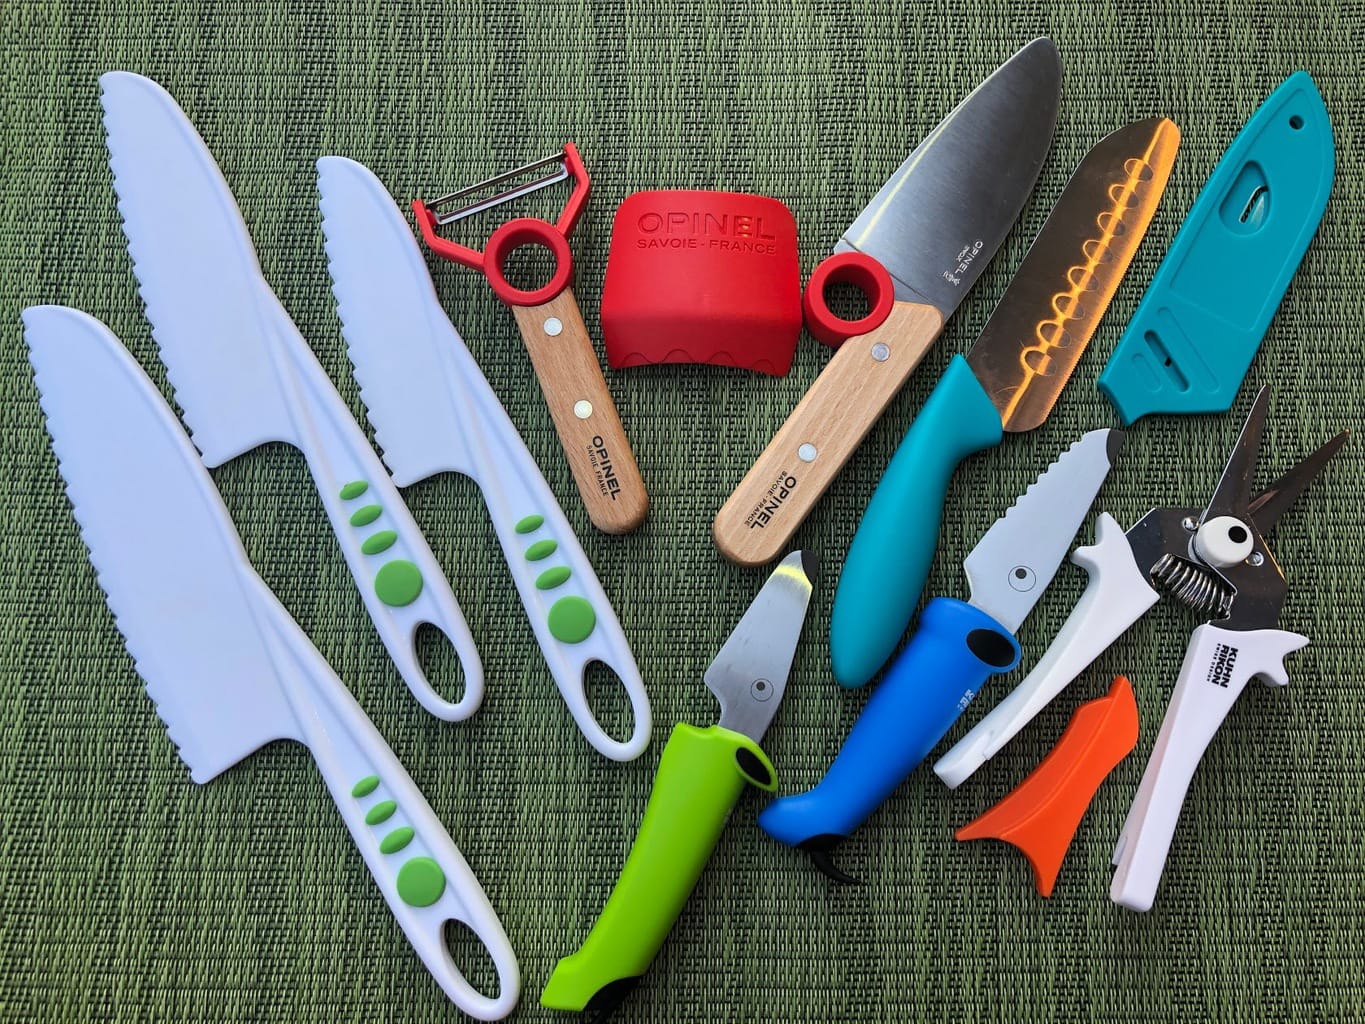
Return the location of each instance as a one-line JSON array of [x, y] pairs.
[[244, 375], [434, 411], [228, 668]]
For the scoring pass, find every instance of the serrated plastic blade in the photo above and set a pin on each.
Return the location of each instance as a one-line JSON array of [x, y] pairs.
[[1014, 562], [399, 339], [213, 315], [177, 579]]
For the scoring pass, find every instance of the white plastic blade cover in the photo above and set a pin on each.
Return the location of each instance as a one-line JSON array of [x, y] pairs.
[[168, 558], [1014, 562]]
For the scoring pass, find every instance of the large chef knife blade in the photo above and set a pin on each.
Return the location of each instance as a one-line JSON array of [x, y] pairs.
[[244, 376], [935, 225], [1009, 381], [227, 667]]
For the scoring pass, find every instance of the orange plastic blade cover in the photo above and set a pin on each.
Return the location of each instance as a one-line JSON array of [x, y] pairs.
[[1041, 815]]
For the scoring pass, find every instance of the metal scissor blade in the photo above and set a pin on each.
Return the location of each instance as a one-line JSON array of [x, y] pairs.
[[1271, 503], [1233, 495]]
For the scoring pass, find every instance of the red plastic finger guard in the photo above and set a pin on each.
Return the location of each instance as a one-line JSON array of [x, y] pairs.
[[513, 234], [702, 277]]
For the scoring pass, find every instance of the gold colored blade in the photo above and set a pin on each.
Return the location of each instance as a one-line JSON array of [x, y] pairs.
[[1040, 328]]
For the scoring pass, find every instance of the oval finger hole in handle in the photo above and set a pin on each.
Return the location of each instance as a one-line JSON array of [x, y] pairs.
[[472, 958], [440, 662]]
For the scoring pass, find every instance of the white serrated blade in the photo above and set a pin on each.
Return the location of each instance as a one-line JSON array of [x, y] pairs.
[[405, 351], [213, 315], [168, 558], [1015, 561]]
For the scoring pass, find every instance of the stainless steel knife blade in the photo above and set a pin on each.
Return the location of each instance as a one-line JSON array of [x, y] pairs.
[[1014, 562], [1042, 324], [749, 675], [939, 220]]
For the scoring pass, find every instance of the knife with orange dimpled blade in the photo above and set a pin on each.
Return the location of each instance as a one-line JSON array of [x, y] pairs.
[[1008, 382]]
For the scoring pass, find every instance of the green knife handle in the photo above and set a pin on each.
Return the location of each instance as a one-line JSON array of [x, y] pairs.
[[701, 774], [894, 544]]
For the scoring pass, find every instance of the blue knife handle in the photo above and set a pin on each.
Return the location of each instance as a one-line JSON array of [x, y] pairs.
[[956, 649], [893, 547]]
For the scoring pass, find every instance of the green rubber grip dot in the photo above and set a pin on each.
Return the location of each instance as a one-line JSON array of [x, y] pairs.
[[398, 583], [529, 524], [354, 489], [552, 578], [701, 774], [421, 882], [396, 840], [365, 786], [380, 812], [379, 542], [541, 549], [366, 514], [571, 620]]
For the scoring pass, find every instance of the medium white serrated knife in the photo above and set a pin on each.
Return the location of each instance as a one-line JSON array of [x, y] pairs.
[[244, 376], [434, 411], [228, 668]]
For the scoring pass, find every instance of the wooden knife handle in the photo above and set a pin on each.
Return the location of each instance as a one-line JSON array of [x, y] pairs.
[[758, 520], [585, 417]]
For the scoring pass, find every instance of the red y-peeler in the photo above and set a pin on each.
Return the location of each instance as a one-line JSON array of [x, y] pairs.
[[551, 325]]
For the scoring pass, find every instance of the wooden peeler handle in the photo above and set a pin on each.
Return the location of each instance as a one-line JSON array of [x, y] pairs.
[[585, 417]]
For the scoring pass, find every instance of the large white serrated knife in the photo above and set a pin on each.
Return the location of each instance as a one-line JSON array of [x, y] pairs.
[[228, 668], [244, 376], [433, 411]]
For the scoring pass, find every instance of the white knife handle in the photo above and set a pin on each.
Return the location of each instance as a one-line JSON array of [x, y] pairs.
[[570, 614], [1116, 596], [1218, 663], [417, 866], [399, 578]]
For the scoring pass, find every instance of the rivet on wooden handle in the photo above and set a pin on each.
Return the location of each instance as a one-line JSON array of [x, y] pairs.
[[584, 415], [758, 520]]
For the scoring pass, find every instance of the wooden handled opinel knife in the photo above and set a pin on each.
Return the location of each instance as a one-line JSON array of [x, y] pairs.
[[926, 236]]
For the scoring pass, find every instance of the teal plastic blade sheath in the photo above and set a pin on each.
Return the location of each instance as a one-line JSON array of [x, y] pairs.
[[1195, 332], [894, 545]]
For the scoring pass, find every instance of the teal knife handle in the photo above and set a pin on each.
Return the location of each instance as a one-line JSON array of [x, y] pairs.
[[701, 774], [1196, 330], [894, 545]]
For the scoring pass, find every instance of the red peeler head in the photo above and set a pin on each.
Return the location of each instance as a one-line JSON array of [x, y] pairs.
[[514, 233]]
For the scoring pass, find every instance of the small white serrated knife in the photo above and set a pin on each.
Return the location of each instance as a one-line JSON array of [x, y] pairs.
[[244, 376], [434, 411], [228, 668]]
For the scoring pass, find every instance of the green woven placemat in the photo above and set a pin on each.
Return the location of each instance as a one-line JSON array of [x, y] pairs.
[[127, 893]]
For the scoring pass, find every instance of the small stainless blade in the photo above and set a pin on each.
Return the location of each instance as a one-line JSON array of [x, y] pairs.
[[1042, 324], [938, 221], [749, 675], [1014, 562]]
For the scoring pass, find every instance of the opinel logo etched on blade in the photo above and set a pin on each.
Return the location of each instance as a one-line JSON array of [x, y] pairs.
[[1089, 252]]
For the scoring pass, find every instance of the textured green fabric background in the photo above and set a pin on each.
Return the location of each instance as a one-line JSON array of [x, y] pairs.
[[127, 893]]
